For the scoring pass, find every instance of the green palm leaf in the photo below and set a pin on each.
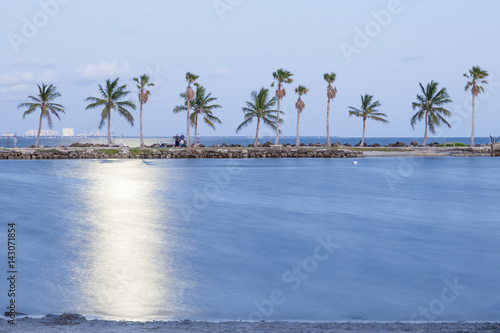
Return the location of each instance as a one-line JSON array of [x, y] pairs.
[[44, 101]]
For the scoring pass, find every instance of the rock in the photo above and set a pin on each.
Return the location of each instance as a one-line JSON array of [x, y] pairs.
[[400, 144], [337, 144], [66, 319], [377, 145], [347, 145], [267, 144], [224, 145], [359, 144], [414, 144]]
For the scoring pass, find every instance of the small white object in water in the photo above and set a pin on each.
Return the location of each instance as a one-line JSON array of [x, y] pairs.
[[355, 162]]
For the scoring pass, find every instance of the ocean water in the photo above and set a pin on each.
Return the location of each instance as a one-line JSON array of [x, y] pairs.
[[219, 140], [390, 239]]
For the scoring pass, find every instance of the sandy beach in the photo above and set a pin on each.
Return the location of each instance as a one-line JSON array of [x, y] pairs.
[[77, 323]]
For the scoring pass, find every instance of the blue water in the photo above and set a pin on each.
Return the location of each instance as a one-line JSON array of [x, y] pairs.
[[219, 140], [273, 239]]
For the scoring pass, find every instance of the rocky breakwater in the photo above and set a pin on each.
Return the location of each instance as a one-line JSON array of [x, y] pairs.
[[495, 149], [126, 153], [264, 153], [488, 150]]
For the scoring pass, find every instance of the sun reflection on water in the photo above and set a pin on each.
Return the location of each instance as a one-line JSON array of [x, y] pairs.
[[125, 269]]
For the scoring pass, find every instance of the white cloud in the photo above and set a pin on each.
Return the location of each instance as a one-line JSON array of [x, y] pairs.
[[16, 78], [14, 89], [48, 77], [102, 70], [28, 78]]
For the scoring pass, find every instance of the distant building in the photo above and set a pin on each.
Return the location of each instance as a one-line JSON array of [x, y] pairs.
[[68, 132], [42, 133]]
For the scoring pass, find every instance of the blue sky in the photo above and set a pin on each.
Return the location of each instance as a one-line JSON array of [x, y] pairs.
[[235, 45]]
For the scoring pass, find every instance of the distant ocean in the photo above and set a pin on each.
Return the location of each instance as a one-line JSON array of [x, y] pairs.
[[219, 140]]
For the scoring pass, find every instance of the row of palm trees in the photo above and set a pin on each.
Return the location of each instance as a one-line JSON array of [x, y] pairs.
[[430, 104]]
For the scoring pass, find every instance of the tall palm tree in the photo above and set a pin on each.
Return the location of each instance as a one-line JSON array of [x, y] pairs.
[[201, 106], [189, 96], [300, 105], [368, 111], [476, 79], [44, 102], [260, 108], [430, 108], [331, 93], [281, 76], [111, 99], [142, 84]]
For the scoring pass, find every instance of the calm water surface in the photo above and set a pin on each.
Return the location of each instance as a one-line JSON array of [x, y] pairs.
[[256, 239]]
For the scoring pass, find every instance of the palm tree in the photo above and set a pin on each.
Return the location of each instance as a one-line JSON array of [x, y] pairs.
[[477, 78], [111, 96], [44, 102], [281, 76], [260, 108], [331, 93], [189, 96], [368, 111], [430, 108], [201, 106], [300, 105], [142, 84]]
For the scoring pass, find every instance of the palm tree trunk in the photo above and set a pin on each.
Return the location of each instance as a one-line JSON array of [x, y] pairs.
[[473, 119], [426, 125], [297, 144], [188, 138], [109, 128], [196, 130], [142, 138], [277, 140], [328, 143], [363, 137], [39, 131], [256, 142]]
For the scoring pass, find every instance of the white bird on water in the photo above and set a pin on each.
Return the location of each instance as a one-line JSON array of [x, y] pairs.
[[355, 162]]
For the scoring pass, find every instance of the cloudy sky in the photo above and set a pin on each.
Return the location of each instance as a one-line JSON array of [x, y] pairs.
[[384, 48]]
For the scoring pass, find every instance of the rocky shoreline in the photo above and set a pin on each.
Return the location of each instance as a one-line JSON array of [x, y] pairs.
[[78, 323], [173, 153], [239, 152]]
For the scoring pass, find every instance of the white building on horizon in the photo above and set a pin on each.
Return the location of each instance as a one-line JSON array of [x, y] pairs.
[[68, 132], [42, 133]]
